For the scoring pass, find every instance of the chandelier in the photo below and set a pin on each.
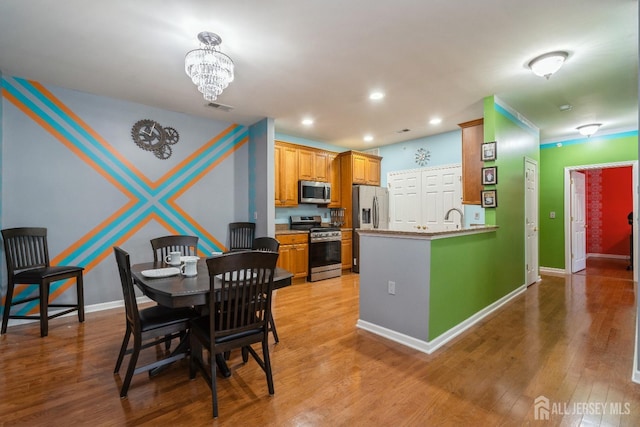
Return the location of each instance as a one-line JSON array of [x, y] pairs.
[[210, 70]]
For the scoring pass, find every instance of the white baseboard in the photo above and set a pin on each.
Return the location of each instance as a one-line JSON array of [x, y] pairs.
[[636, 377], [431, 346], [87, 309], [612, 256], [552, 271]]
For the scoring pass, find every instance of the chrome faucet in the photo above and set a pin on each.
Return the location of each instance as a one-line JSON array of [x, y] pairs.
[[446, 216]]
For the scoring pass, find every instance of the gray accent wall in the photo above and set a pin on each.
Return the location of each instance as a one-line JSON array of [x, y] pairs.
[[407, 263], [69, 164]]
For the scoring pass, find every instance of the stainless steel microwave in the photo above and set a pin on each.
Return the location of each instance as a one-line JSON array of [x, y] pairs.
[[314, 192]]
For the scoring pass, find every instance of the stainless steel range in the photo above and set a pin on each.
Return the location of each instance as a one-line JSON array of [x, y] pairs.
[[325, 247]]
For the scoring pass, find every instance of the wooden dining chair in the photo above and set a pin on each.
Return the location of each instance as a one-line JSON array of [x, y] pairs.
[[149, 326], [27, 254], [241, 235], [239, 305], [265, 244], [268, 244], [186, 245]]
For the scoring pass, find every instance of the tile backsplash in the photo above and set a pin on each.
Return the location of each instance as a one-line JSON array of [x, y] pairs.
[[283, 214]]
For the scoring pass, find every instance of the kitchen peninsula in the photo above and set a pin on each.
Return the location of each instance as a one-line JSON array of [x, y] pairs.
[[422, 289]]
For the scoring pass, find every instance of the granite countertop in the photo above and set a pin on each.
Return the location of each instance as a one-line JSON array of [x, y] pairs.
[[284, 229], [429, 234], [287, 231]]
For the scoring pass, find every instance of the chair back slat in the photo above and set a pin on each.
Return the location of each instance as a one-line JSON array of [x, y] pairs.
[[243, 302], [186, 245], [25, 248], [265, 244], [128, 291], [241, 235]]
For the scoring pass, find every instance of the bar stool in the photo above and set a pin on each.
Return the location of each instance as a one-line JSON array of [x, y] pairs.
[[27, 257]]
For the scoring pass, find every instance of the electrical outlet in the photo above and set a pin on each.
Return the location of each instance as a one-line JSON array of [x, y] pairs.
[[255, 215], [392, 288], [552, 214], [476, 216]]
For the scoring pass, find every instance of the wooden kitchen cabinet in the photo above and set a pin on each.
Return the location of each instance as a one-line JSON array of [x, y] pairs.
[[286, 174], [313, 165], [472, 139], [347, 249], [294, 254], [366, 169], [334, 178]]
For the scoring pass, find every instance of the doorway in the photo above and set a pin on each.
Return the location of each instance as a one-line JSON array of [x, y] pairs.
[[569, 200], [531, 220]]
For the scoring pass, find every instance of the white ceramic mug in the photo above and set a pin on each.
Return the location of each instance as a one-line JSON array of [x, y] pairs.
[[189, 268], [173, 258]]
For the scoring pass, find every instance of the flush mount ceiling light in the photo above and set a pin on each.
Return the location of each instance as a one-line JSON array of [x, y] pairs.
[[547, 64], [375, 96], [435, 121], [590, 129], [307, 122], [368, 138], [210, 70]]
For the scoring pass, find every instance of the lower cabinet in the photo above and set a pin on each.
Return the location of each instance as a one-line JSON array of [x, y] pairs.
[[347, 248], [294, 254]]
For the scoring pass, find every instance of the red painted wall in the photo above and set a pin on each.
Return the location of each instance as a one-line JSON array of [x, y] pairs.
[[608, 202]]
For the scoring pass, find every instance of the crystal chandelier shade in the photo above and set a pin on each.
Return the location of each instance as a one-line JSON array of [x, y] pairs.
[[210, 70]]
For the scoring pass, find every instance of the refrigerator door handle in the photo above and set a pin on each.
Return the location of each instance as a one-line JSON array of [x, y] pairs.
[[375, 212]]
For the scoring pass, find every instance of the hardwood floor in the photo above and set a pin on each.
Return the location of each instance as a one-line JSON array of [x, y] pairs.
[[567, 338]]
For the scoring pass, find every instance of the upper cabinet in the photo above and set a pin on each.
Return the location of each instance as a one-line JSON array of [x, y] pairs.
[[286, 171], [313, 165], [296, 162], [365, 168], [334, 178], [472, 139]]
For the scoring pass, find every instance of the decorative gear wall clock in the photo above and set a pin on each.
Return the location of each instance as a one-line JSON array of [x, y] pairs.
[[422, 156], [149, 135]]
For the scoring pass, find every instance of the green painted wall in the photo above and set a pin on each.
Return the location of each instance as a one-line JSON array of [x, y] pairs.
[[478, 270], [463, 280], [553, 159], [515, 141]]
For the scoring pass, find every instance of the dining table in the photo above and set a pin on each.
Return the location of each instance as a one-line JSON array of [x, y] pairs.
[[172, 289]]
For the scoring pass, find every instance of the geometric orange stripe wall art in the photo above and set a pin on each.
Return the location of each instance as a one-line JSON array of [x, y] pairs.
[[145, 199]]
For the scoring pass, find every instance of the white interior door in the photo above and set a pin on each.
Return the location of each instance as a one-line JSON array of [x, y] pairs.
[[531, 220], [419, 198], [404, 205], [578, 222]]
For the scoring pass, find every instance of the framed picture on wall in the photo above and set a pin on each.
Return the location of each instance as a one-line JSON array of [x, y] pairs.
[[490, 175], [489, 198], [488, 151]]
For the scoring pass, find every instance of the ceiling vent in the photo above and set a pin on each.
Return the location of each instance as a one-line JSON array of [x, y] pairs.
[[220, 107], [403, 130]]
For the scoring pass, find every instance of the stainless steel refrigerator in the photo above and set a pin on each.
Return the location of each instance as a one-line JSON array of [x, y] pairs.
[[370, 210]]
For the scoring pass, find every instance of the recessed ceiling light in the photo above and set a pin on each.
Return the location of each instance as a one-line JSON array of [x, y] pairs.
[[435, 121], [374, 96], [368, 138], [307, 122]]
